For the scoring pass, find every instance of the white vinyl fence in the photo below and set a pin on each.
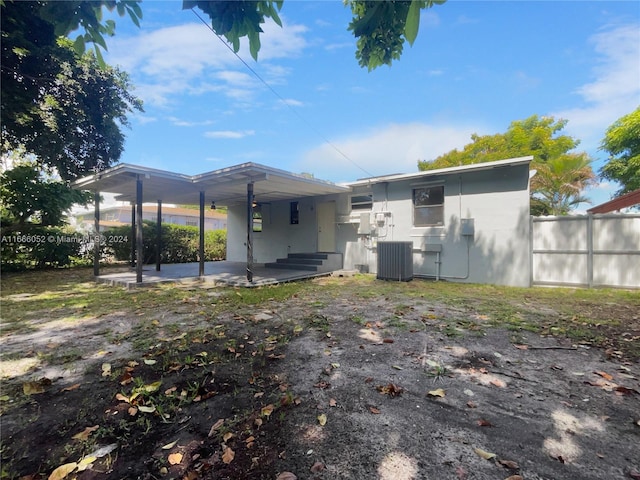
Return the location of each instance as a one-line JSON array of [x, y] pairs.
[[586, 250]]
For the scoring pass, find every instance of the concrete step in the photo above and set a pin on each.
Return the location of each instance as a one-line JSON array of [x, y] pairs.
[[319, 262]]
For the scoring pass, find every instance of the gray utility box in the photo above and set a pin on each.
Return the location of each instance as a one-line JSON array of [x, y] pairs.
[[395, 261]]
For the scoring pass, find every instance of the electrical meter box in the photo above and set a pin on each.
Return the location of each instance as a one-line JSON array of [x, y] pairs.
[[467, 228]]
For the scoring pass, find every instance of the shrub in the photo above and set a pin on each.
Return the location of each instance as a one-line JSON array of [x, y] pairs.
[[179, 243]]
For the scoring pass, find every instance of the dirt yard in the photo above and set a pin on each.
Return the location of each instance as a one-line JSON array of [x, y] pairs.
[[336, 378]]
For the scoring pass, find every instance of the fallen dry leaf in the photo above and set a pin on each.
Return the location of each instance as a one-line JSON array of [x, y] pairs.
[[391, 389], [322, 419], [496, 382], [133, 411], [85, 463], [169, 446], [175, 458], [484, 423], [332, 402], [228, 455], [471, 404], [484, 454], [71, 388], [106, 369], [146, 409], [374, 410], [461, 473], [286, 476], [634, 474], [317, 467], [32, 388], [514, 477], [62, 471], [267, 410], [84, 435], [216, 426], [387, 340], [436, 393], [604, 375], [521, 347], [228, 436], [509, 464]]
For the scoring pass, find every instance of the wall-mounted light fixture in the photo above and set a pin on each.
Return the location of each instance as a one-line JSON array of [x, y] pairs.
[[213, 205]]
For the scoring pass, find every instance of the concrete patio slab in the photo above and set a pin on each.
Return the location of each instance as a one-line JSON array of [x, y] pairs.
[[224, 273]]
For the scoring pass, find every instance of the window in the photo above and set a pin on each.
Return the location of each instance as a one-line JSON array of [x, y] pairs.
[[428, 206], [191, 223], [294, 213], [362, 202]]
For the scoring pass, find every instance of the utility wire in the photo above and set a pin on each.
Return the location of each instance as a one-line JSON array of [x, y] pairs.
[[257, 75]]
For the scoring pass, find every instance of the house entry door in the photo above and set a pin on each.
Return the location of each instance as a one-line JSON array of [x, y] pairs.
[[326, 226]]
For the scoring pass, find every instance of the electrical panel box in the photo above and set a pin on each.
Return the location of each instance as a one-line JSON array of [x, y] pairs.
[[365, 224], [467, 228]]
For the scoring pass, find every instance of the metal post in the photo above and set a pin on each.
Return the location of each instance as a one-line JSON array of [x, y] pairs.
[[133, 235], [139, 240], [250, 232], [201, 246], [96, 240], [159, 236], [590, 250]]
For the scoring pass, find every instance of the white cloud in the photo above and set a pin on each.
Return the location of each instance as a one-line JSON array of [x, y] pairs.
[[187, 123], [190, 59], [233, 134], [615, 90], [292, 102], [394, 148]]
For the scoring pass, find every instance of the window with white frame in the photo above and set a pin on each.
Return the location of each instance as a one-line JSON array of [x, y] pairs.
[[428, 206]]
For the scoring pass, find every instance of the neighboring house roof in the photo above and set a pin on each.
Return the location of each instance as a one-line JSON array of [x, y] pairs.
[[227, 186], [628, 200], [444, 171]]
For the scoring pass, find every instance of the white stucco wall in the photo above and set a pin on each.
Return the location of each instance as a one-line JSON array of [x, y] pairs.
[[498, 202]]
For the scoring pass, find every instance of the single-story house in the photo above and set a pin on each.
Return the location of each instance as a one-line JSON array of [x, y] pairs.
[[117, 216], [468, 223]]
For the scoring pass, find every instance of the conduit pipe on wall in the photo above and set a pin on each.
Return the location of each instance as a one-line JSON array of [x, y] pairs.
[[437, 276]]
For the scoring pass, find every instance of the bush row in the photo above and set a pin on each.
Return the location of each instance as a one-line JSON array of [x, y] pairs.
[[34, 246]]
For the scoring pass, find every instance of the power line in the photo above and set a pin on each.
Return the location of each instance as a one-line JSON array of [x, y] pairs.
[[257, 75]]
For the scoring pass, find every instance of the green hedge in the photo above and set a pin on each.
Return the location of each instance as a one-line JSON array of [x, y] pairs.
[[179, 243], [34, 246]]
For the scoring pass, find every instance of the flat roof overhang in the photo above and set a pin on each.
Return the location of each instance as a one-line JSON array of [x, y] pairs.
[[226, 187]]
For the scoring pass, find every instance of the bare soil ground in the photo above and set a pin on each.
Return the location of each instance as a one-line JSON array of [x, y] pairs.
[[337, 378]]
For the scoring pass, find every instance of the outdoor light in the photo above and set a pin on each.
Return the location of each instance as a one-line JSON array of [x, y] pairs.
[[254, 204], [213, 205]]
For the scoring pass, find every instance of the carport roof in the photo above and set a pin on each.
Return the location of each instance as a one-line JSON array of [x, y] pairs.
[[227, 186]]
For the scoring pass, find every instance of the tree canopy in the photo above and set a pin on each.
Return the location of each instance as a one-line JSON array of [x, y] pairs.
[[622, 143], [561, 175], [380, 27], [65, 109]]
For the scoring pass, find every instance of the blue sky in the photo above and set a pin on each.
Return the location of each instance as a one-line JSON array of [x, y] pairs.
[[475, 68]]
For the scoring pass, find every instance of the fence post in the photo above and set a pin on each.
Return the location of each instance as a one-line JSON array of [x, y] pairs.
[[531, 278], [590, 249]]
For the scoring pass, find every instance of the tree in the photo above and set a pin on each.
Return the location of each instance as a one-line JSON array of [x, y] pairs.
[[622, 143], [558, 184], [30, 197], [380, 27], [561, 175], [63, 108]]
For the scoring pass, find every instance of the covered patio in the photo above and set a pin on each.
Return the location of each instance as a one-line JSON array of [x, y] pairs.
[[244, 184], [219, 273]]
